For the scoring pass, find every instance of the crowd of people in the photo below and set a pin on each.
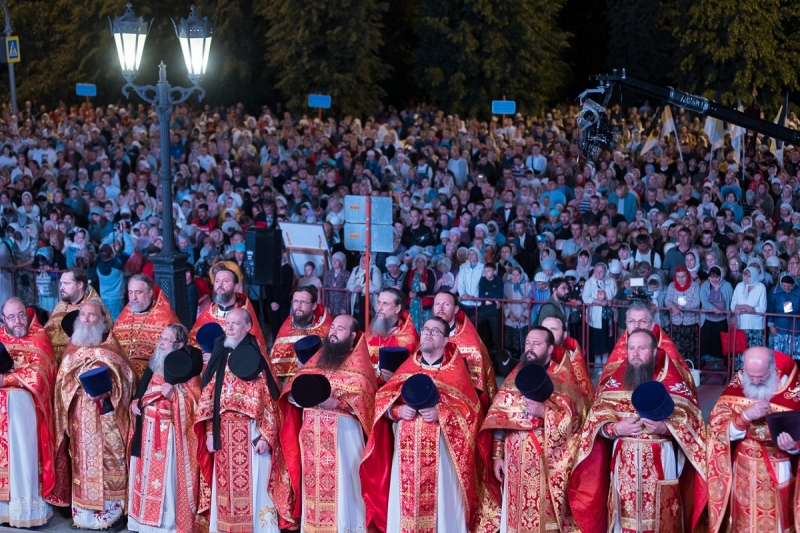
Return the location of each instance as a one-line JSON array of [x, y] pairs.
[[510, 249]]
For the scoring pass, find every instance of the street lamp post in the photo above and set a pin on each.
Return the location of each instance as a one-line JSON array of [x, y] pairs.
[[194, 34], [11, 81]]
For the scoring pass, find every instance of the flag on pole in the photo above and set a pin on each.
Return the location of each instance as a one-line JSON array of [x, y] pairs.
[[668, 126], [650, 143], [776, 147], [737, 138], [715, 130]]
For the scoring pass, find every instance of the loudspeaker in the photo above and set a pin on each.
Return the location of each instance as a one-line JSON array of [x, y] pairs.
[[262, 259]]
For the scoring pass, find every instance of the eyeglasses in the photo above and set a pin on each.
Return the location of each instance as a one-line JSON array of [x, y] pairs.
[[300, 302], [642, 322], [21, 317], [433, 332], [166, 341]]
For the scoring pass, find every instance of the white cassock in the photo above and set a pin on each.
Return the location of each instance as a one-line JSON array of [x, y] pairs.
[[169, 505], [351, 512], [265, 516], [26, 508], [450, 506]]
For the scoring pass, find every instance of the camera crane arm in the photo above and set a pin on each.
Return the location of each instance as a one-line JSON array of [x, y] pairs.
[[698, 104]]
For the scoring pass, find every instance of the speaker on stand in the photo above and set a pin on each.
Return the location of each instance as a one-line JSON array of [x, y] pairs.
[[262, 262]]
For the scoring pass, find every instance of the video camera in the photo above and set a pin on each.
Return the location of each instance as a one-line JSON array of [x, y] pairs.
[[596, 131]]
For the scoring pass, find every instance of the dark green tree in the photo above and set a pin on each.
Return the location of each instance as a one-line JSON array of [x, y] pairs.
[[327, 47], [474, 51], [735, 47], [641, 40]]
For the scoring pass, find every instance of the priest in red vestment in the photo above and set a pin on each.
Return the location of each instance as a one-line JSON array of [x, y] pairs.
[[751, 472], [568, 346], [323, 445], [26, 419], [422, 470], [88, 442], [307, 318], [391, 327], [469, 344], [245, 487], [163, 446], [534, 444], [138, 327], [225, 299], [634, 474], [640, 316]]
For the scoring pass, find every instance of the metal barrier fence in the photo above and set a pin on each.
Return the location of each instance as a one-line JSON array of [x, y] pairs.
[[578, 329]]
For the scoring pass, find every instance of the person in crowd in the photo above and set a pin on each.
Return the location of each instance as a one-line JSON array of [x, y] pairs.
[[91, 425], [752, 467], [418, 288], [110, 272], [308, 317], [516, 313], [334, 286], [667, 448], [683, 300], [324, 443], [749, 297], [598, 294], [521, 428], [357, 288], [447, 428], [26, 395], [490, 287], [783, 302], [164, 449], [239, 418], [715, 300], [309, 276], [138, 328]]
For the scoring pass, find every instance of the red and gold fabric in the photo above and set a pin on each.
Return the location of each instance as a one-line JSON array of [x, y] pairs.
[[620, 352], [284, 360], [241, 402], [140, 333], [751, 500], [460, 417], [308, 436], [538, 454], [648, 501], [579, 367], [404, 336], [53, 327], [148, 477], [96, 447], [474, 352], [35, 372]]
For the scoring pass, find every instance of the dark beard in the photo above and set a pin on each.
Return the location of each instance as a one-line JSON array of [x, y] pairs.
[[303, 321], [635, 376], [333, 353], [533, 360], [222, 298]]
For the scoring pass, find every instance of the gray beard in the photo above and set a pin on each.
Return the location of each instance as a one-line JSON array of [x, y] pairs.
[[17, 331], [156, 363], [382, 326], [223, 298], [139, 308], [765, 391], [88, 334], [636, 375], [231, 342]]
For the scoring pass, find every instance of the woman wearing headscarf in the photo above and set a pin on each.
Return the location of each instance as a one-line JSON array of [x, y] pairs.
[[26, 242], [356, 284], [598, 293], [749, 296], [516, 314], [683, 300], [692, 261], [584, 266], [334, 283], [715, 297], [418, 287]]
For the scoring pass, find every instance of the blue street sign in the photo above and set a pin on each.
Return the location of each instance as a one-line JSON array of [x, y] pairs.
[[86, 89], [12, 49], [322, 101], [504, 107]]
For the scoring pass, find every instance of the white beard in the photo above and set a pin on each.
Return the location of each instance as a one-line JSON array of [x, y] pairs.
[[138, 308], [156, 363], [765, 391], [88, 334], [381, 326], [231, 342]]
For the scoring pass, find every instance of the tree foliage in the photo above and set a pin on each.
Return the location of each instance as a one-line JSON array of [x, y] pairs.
[[327, 47], [641, 39], [735, 47], [474, 51]]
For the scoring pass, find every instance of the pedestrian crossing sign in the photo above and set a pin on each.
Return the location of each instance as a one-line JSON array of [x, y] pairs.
[[12, 49]]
